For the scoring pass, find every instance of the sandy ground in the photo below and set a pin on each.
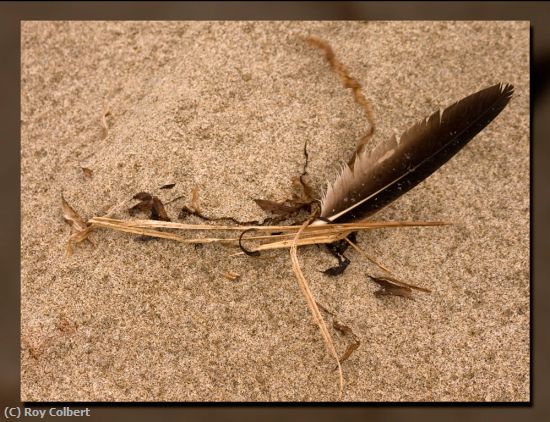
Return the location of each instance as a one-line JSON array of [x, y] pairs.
[[227, 107]]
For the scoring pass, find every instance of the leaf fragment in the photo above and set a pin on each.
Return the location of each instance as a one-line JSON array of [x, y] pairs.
[[339, 269], [157, 211], [391, 287], [149, 203], [284, 208], [302, 198], [352, 347], [142, 196], [168, 186]]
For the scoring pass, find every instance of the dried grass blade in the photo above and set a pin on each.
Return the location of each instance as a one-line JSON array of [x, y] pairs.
[[313, 305], [369, 257], [364, 225], [160, 234]]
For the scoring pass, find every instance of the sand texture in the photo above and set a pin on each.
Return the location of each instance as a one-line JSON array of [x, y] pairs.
[[225, 107]]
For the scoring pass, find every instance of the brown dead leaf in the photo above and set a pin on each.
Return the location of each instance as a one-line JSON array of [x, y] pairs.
[[168, 186], [149, 203], [142, 196], [391, 287], [157, 211], [279, 208], [345, 330], [301, 199], [352, 347]]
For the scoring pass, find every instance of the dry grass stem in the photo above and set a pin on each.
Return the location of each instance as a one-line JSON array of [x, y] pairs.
[[312, 234], [369, 257], [363, 225], [312, 304]]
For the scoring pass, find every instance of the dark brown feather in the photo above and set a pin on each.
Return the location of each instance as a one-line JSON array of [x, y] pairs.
[[374, 179]]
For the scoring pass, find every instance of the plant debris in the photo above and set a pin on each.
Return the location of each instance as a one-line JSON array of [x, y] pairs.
[[337, 250], [301, 200], [302, 196], [149, 203], [285, 208], [390, 286], [168, 186], [339, 269], [79, 228], [337, 237], [345, 330]]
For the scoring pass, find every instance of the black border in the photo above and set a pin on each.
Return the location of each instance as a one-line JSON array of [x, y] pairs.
[[11, 13]]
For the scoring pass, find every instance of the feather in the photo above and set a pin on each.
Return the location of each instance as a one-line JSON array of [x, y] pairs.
[[373, 179]]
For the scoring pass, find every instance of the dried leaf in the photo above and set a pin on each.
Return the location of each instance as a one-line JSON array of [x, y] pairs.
[[339, 269], [88, 173], [142, 196], [168, 186], [391, 287], [345, 330], [150, 204], [157, 211], [352, 347], [279, 208]]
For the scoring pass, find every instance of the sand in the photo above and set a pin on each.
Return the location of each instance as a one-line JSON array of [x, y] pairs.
[[226, 107]]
